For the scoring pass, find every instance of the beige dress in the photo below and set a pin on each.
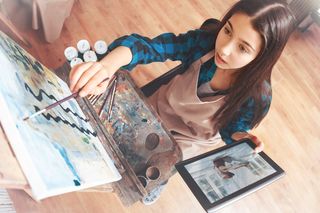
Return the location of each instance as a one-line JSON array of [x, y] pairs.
[[186, 116]]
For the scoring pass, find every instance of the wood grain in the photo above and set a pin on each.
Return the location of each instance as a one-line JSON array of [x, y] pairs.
[[290, 130]]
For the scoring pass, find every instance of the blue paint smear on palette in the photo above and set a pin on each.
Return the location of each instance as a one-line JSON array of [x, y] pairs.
[[123, 132], [131, 122]]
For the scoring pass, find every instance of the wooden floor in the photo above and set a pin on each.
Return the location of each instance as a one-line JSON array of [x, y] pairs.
[[290, 130]]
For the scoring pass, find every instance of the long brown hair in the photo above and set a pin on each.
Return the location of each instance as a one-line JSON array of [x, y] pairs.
[[274, 22]]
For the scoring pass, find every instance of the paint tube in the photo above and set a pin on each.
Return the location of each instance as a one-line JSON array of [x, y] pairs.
[[83, 46], [70, 53], [75, 61], [90, 56], [101, 48]]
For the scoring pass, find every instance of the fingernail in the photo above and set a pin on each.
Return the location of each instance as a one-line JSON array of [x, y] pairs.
[[256, 151]]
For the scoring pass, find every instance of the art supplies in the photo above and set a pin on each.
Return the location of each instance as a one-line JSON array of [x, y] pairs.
[[101, 48], [90, 56], [58, 151], [109, 87], [83, 46], [75, 62], [83, 53], [74, 95], [70, 148], [114, 87], [70, 53], [138, 132]]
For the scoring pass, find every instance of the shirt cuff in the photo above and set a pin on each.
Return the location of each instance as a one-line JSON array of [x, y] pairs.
[[130, 42]]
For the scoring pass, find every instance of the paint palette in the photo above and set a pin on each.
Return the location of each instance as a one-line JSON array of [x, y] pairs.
[[138, 132]]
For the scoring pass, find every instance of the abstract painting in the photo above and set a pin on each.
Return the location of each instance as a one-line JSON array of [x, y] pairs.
[[58, 151]]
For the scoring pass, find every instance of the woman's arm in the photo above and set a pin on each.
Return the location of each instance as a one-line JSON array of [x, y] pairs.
[[238, 128], [128, 51], [186, 47]]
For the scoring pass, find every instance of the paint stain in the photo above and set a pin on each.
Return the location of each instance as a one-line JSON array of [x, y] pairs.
[[85, 140], [76, 183], [123, 132], [136, 161], [122, 88]]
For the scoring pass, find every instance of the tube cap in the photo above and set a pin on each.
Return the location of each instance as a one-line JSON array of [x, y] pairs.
[[75, 61], [90, 56], [83, 45], [70, 53], [100, 47]]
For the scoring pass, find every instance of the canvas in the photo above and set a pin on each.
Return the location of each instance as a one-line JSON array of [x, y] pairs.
[[58, 150]]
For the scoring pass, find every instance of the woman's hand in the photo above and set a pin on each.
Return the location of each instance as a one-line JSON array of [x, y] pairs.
[[241, 135], [93, 77], [90, 77]]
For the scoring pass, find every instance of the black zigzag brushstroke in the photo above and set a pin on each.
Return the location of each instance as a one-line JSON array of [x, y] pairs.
[[18, 55], [57, 119], [39, 98]]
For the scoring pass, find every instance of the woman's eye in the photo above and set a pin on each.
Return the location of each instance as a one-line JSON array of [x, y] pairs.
[[243, 49], [227, 31]]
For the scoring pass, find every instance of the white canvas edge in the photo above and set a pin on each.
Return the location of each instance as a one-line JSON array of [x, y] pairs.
[[24, 160]]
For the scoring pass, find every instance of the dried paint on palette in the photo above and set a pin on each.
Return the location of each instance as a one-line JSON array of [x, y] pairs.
[[131, 123]]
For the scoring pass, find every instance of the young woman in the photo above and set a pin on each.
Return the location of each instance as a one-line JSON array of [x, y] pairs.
[[226, 90], [230, 93]]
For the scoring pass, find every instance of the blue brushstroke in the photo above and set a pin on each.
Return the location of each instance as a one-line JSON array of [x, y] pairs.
[[64, 154]]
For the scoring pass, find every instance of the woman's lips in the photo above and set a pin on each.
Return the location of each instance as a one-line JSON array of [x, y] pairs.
[[220, 60]]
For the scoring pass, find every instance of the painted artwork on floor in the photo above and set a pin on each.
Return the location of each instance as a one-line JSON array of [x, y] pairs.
[[58, 150]]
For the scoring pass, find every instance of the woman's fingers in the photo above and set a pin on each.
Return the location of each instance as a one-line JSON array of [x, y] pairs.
[[90, 78], [241, 135], [96, 84], [76, 73], [259, 146], [101, 87], [87, 75]]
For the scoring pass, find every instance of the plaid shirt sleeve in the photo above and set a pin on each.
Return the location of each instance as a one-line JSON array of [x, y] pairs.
[[242, 122], [186, 47]]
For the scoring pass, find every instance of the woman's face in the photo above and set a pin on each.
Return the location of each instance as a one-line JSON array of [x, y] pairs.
[[237, 43]]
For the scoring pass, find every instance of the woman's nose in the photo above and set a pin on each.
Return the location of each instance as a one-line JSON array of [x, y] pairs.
[[226, 49]]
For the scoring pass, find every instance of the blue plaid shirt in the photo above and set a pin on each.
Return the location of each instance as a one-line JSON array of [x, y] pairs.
[[187, 48]]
